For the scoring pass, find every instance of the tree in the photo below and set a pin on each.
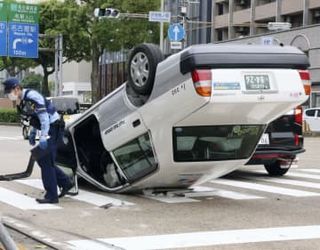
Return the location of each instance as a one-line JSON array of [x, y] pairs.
[[92, 35], [32, 81]]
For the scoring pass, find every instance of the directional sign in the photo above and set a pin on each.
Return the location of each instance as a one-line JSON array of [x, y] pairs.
[[158, 16], [23, 40], [176, 32], [23, 13], [3, 38]]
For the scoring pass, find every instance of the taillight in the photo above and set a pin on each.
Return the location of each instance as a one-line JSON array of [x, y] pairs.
[[202, 81], [305, 77], [298, 115]]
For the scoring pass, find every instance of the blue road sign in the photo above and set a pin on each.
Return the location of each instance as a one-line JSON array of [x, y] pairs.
[[23, 40], [3, 39], [176, 32]]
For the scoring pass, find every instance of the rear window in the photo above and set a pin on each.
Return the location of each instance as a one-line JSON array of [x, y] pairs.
[[66, 105], [310, 112], [215, 143]]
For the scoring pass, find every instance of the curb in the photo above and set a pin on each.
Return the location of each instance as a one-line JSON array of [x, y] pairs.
[[10, 124]]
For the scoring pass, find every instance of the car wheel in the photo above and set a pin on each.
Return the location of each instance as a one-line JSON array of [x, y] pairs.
[[275, 169], [142, 66], [25, 132]]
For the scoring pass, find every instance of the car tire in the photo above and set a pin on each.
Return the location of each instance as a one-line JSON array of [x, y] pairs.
[[25, 132], [274, 169], [142, 66]]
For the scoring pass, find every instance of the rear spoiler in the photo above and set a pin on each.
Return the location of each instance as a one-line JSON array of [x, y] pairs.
[[210, 56]]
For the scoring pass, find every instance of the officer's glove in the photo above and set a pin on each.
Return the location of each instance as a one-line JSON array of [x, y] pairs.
[[32, 137], [43, 143]]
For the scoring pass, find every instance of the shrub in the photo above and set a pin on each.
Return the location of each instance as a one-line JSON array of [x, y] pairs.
[[9, 116]]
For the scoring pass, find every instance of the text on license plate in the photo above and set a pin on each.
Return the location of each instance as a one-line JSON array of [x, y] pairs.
[[257, 82], [264, 139]]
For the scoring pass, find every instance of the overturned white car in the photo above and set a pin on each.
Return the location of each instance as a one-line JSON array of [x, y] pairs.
[[197, 115]]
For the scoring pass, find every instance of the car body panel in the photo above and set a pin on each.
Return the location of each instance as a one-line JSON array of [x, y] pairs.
[[149, 131]]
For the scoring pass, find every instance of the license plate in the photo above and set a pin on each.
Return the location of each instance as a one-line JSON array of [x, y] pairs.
[[257, 82], [264, 139]]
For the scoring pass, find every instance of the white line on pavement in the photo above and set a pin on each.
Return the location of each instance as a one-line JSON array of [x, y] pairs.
[[201, 191], [310, 170], [15, 138], [289, 182], [201, 239], [21, 201], [265, 188], [85, 196]]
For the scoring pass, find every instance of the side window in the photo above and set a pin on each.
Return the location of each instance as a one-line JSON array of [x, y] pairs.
[[310, 112], [136, 158]]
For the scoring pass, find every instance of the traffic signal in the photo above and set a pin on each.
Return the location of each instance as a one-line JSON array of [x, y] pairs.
[[106, 13]]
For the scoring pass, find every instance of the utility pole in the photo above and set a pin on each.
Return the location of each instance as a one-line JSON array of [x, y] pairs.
[[161, 27], [58, 65]]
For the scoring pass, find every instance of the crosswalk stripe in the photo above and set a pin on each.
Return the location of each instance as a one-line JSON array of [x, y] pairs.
[[22, 201], [297, 174], [85, 196], [5, 138], [201, 239], [265, 188], [310, 170], [169, 198], [289, 182], [201, 191]]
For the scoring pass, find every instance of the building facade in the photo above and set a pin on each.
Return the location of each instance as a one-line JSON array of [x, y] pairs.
[[246, 22]]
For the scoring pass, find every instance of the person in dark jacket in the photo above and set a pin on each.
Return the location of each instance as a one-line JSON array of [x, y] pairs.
[[44, 118]]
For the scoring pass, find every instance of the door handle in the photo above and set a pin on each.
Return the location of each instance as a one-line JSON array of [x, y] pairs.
[[136, 123]]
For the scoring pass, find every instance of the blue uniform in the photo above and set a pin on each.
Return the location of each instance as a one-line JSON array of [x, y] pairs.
[[50, 127]]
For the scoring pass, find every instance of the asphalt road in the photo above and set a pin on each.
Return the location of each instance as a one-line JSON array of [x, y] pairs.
[[245, 210]]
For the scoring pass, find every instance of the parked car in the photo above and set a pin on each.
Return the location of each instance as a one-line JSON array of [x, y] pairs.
[[312, 118], [197, 115], [68, 107], [280, 143]]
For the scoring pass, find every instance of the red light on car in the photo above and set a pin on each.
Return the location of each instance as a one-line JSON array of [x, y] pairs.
[[202, 81], [298, 115], [305, 77]]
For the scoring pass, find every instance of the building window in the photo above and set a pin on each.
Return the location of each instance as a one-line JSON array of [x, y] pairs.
[[315, 16], [263, 2], [296, 20], [242, 4]]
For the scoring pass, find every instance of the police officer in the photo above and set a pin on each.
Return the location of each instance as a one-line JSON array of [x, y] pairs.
[[51, 127]]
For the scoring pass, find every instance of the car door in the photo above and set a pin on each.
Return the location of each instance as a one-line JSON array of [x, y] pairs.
[[310, 118]]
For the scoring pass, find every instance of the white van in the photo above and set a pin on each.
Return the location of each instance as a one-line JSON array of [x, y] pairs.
[[81, 90], [197, 115]]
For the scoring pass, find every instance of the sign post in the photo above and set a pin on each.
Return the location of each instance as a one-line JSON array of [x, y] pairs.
[[23, 30], [3, 29]]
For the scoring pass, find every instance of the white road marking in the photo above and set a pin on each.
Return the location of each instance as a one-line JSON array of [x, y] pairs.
[[297, 174], [310, 170], [201, 191], [202, 239], [22, 201], [265, 188], [14, 138], [171, 198], [85, 196], [289, 182]]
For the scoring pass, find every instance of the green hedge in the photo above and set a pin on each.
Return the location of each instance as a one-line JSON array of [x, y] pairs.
[[9, 116]]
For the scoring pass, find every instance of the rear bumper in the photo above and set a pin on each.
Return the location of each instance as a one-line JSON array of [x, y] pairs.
[[265, 156]]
